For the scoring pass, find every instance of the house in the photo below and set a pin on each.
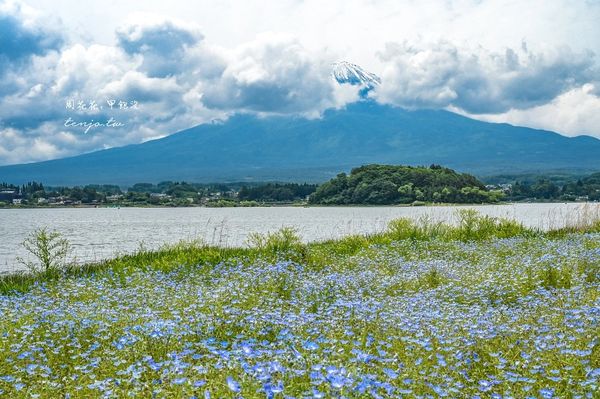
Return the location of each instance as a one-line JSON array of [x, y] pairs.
[[17, 201]]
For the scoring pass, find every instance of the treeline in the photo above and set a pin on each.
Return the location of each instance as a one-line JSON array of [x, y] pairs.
[[274, 192], [388, 184], [587, 188], [33, 191], [369, 185], [166, 193]]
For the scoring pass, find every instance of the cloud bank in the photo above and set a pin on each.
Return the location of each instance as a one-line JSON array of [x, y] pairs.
[[23, 37], [170, 76], [439, 75]]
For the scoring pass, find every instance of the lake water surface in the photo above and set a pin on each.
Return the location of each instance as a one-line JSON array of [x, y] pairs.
[[97, 233]]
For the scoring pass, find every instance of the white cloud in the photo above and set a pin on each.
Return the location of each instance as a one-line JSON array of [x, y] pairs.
[[14, 147], [355, 29], [440, 74], [272, 74], [576, 111], [161, 42]]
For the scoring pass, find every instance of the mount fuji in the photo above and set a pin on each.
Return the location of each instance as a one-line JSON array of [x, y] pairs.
[[345, 72]]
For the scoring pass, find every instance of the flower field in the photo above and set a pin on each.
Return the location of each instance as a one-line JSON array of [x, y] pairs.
[[500, 317]]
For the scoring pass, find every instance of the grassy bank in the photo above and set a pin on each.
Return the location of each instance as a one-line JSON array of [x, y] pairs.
[[485, 308]]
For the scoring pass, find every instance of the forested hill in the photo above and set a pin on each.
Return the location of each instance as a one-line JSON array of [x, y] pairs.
[[389, 184]]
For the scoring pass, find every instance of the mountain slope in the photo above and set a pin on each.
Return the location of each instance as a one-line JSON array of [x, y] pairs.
[[346, 72], [246, 147]]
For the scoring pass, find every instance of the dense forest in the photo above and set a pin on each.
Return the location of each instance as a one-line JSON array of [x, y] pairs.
[[274, 192], [388, 184], [587, 189]]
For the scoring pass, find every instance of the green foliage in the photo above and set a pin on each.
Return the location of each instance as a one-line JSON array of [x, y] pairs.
[[228, 203], [49, 249], [432, 279], [165, 193], [424, 229], [471, 226], [544, 188], [555, 277], [274, 192], [591, 271], [323, 254], [283, 243], [388, 184]]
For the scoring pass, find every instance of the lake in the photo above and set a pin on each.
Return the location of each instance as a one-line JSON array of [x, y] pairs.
[[98, 233]]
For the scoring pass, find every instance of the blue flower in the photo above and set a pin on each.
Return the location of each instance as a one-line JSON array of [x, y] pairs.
[[390, 373], [233, 385], [310, 345], [546, 393]]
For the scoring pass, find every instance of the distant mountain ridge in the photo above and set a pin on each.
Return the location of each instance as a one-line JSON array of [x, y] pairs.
[[290, 148]]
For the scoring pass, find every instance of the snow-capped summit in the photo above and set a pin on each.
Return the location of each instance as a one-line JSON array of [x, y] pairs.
[[346, 72]]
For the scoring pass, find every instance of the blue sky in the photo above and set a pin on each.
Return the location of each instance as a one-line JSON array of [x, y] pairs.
[[175, 64]]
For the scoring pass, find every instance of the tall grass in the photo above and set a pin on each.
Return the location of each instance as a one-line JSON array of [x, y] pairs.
[[471, 226], [286, 244]]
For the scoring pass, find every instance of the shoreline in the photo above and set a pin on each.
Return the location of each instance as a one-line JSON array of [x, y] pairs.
[[230, 229], [483, 227], [299, 205]]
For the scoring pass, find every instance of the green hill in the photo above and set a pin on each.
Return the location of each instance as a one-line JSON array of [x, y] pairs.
[[389, 184]]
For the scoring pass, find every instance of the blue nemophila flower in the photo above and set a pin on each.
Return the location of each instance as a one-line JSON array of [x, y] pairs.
[[310, 345], [390, 373], [439, 390], [273, 389], [485, 386], [233, 385], [338, 381]]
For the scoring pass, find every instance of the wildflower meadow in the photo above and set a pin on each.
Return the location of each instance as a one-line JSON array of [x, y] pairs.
[[490, 310]]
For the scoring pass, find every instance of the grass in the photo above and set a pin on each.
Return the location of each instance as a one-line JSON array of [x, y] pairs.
[[482, 308]]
